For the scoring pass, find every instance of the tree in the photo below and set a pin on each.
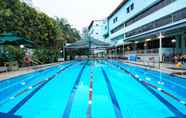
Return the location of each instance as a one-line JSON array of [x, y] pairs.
[[47, 34], [17, 17]]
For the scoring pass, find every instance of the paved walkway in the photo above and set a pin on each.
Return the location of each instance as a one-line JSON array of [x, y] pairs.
[[167, 68], [21, 71]]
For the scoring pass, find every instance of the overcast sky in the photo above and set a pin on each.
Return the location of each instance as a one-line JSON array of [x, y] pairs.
[[79, 13]]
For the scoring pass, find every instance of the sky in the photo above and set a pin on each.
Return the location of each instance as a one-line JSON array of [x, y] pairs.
[[79, 13]]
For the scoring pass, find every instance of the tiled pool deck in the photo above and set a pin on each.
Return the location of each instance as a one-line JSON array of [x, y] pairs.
[[21, 71], [166, 68]]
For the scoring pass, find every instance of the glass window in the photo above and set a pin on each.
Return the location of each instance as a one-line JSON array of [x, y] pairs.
[[179, 42], [128, 9], [148, 11], [185, 42], [132, 6], [115, 20]]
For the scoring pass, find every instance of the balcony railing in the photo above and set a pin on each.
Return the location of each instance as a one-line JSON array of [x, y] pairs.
[[155, 51]]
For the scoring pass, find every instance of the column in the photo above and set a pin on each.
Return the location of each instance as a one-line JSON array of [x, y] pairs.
[[160, 48], [123, 48], [183, 44]]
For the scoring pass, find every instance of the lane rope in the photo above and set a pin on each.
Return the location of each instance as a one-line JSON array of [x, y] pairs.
[[35, 85], [25, 99], [90, 93], [66, 113], [153, 86]]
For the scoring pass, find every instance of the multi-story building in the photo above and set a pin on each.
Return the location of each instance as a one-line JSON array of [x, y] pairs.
[[156, 27], [97, 29]]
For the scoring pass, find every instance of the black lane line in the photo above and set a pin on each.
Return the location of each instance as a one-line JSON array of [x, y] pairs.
[[24, 100], [174, 110], [68, 107], [112, 95], [5, 115]]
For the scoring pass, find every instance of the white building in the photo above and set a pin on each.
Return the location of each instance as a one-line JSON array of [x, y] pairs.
[[96, 29], [157, 27]]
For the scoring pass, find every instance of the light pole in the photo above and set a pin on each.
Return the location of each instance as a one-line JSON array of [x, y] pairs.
[[145, 49], [173, 41], [63, 50], [123, 48], [136, 42], [21, 46], [160, 48]]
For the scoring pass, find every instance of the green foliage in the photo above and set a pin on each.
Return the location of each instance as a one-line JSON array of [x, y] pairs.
[[45, 55], [46, 33], [77, 52], [12, 53], [67, 34], [19, 18]]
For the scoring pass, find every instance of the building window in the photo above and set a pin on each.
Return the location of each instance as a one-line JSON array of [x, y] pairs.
[[132, 6], [148, 11], [158, 23], [119, 27], [97, 33], [128, 9], [97, 24], [179, 42], [115, 20]]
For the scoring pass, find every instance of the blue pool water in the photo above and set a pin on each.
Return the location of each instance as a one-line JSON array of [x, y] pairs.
[[93, 89]]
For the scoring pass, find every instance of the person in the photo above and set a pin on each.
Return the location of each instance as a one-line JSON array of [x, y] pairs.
[[182, 59], [27, 60], [175, 59]]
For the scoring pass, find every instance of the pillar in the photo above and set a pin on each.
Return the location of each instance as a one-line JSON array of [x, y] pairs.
[[160, 48]]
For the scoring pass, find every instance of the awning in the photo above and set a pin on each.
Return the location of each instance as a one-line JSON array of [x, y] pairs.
[[10, 38], [91, 43]]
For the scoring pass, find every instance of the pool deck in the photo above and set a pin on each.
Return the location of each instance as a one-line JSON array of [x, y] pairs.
[[166, 68], [163, 68], [25, 70]]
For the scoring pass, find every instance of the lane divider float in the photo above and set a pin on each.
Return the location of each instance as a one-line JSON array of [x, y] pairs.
[[90, 93], [37, 84], [153, 86]]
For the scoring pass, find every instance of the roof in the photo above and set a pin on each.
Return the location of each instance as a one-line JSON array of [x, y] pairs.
[[117, 8], [13, 39], [92, 43], [92, 22]]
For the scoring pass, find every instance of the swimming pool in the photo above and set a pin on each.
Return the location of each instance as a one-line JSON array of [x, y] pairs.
[[93, 89]]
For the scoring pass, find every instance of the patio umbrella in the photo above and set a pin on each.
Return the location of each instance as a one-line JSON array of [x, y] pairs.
[[10, 38]]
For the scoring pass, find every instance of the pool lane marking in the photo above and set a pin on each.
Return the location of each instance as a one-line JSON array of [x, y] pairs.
[[24, 100], [33, 86], [25, 83], [27, 89], [27, 78], [159, 89], [90, 94], [112, 95], [68, 107], [176, 112]]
